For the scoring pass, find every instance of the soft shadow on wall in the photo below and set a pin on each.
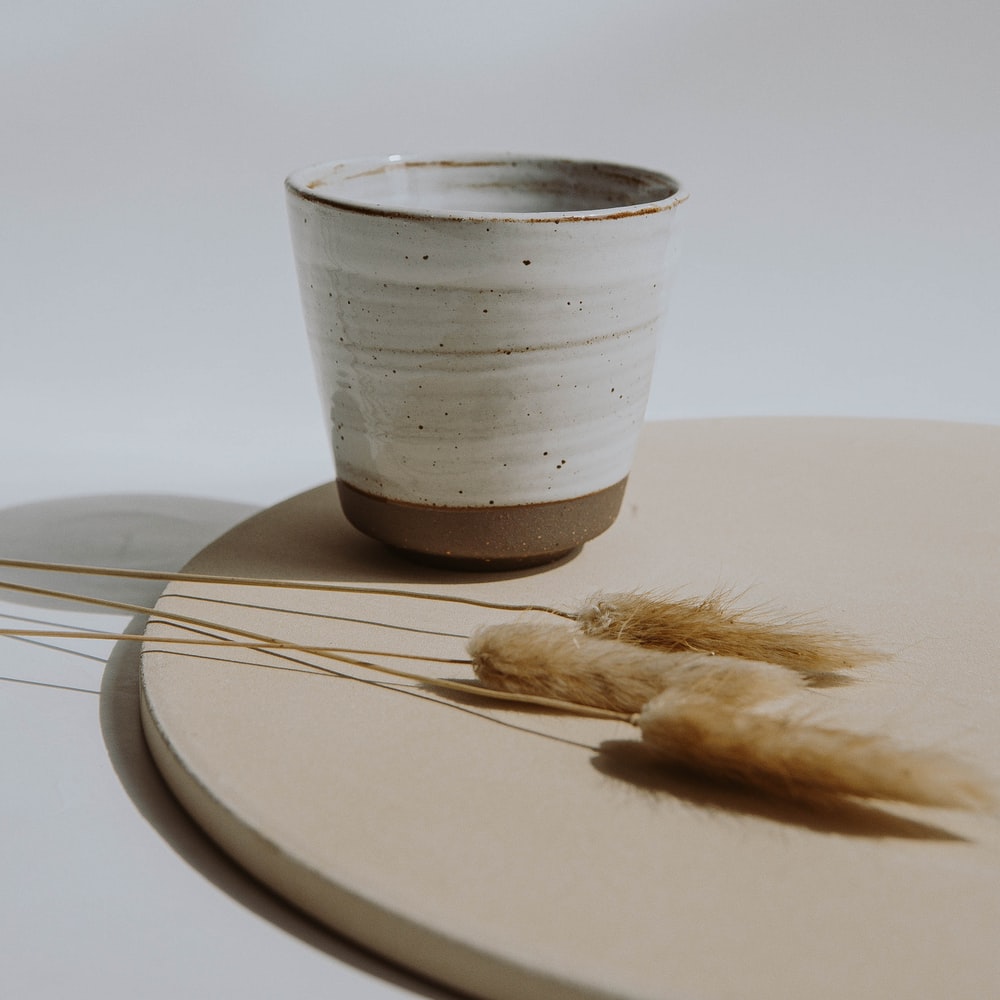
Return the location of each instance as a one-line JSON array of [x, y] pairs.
[[159, 533]]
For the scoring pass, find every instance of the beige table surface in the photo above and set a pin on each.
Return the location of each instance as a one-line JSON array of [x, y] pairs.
[[513, 853]]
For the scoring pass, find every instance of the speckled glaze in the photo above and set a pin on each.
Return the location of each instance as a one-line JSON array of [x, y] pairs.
[[483, 330]]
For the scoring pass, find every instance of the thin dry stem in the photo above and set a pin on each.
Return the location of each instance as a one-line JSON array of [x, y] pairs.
[[33, 633], [712, 625], [561, 662], [252, 581], [789, 756], [465, 687]]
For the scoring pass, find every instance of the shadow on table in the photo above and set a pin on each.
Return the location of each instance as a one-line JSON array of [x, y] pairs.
[[305, 538], [163, 534], [127, 531], [122, 731]]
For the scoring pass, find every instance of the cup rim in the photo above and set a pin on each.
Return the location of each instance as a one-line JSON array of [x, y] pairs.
[[305, 183]]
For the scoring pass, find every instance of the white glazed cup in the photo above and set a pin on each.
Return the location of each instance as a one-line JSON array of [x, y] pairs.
[[483, 331]]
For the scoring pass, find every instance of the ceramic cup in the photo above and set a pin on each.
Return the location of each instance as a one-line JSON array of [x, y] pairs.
[[483, 330]]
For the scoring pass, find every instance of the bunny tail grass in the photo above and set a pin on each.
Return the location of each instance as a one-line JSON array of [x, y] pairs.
[[560, 662], [711, 625], [791, 758]]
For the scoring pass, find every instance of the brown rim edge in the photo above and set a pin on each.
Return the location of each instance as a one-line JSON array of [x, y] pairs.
[[295, 188]]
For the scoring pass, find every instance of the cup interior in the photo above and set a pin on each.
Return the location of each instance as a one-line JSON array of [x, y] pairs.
[[486, 186]]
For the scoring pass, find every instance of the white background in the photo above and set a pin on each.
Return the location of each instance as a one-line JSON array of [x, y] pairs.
[[840, 256]]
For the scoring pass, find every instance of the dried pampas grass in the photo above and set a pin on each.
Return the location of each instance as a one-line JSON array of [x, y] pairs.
[[712, 625], [705, 712], [788, 756], [563, 663], [694, 676]]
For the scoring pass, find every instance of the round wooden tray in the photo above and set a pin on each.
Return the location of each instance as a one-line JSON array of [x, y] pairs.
[[509, 852]]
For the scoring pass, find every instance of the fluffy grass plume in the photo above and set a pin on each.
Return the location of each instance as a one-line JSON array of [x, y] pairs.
[[712, 625], [561, 662], [793, 758]]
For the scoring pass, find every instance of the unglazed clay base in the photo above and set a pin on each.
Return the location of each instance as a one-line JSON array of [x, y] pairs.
[[515, 853], [483, 538]]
